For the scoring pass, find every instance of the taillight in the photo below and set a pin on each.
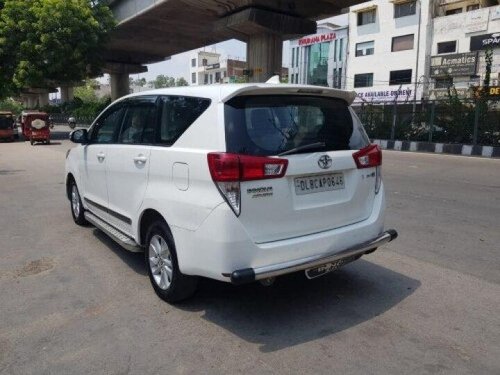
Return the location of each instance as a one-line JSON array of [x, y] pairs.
[[228, 170], [370, 157]]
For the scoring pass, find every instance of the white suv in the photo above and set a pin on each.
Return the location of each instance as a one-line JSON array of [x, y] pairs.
[[232, 182]]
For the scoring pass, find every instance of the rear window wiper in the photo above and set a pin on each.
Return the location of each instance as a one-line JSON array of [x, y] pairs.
[[310, 146]]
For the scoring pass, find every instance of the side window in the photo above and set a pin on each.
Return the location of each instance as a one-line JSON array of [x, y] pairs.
[[107, 126], [139, 122], [177, 114]]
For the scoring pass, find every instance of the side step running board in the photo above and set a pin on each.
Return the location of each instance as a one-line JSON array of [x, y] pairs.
[[121, 239]]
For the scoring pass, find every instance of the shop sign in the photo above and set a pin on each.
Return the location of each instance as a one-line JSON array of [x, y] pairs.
[[493, 91], [459, 64], [442, 94], [484, 41], [212, 66], [374, 95], [319, 38], [477, 20]]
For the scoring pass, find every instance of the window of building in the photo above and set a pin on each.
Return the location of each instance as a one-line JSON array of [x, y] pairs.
[[211, 78], [472, 7], [193, 77], [405, 9], [297, 57], [341, 42], [317, 72], [217, 77], [363, 80], [296, 77], [443, 82], [449, 12], [293, 57], [340, 79], [193, 62], [206, 79], [365, 48], [447, 47], [335, 45], [367, 17], [204, 62], [402, 43], [398, 77]]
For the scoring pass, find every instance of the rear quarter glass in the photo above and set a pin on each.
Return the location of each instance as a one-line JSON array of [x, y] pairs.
[[267, 125]]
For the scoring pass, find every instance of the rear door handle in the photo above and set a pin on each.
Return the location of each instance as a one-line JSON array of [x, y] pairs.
[[140, 159], [101, 156]]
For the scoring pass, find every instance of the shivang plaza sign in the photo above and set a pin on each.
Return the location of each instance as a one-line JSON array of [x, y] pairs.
[[484, 41], [459, 64], [320, 38]]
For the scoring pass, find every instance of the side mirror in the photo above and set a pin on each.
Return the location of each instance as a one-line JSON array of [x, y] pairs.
[[79, 136]]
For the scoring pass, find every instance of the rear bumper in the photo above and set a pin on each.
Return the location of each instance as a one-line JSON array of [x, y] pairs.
[[252, 274]]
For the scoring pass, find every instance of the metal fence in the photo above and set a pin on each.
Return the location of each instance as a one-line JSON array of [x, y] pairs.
[[62, 119], [451, 121]]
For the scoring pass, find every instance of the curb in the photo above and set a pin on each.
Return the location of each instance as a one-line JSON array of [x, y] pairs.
[[440, 148]]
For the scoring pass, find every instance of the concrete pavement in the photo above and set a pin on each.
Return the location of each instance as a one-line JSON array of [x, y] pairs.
[[74, 302]]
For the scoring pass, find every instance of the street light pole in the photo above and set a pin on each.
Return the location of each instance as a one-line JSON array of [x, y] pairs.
[[419, 2]]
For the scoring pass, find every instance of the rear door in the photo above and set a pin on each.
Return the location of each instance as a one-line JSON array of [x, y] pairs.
[[128, 161], [322, 189]]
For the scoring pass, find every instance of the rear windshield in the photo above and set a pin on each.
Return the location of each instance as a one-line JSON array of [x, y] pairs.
[[270, 125], [6, 121]]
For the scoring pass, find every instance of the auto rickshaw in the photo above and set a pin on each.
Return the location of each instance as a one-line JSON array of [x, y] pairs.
[[36, 127], [7, 124]]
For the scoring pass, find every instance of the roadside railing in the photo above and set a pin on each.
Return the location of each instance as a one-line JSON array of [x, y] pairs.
[[462, 121]]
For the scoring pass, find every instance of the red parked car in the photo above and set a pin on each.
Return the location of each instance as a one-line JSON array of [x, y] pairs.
[[7, 124]]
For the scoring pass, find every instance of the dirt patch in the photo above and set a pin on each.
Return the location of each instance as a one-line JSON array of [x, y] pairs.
[[35, 267]]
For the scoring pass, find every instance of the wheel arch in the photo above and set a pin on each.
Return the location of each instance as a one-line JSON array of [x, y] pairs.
[[69, 179], [147, 217]]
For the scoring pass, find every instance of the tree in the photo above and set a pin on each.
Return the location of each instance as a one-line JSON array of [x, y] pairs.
[[162, 81], [181, 82], [45, 43]]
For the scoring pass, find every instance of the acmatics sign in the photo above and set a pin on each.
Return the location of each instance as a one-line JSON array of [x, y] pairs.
[[484, 41], [459, 64], [320, 38]]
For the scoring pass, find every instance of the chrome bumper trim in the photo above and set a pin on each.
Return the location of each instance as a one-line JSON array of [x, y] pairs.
[[252, 274]]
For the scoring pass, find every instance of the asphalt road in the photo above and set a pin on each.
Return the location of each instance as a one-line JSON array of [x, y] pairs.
[[73, 302]]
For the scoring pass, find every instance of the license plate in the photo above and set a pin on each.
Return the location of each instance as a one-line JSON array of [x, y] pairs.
[[312, 273], [319, 183]]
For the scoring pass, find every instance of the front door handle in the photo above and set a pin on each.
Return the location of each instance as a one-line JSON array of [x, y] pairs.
[[140, 159], [101, 156]]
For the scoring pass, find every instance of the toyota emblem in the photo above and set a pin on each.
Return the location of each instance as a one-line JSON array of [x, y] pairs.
[[325, 162]]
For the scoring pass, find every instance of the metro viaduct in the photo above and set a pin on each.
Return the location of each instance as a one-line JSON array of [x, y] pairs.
[[149, 31]]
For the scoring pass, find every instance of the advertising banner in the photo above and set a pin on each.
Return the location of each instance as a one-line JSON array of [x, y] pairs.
[[458, 64], [484, 41], [384, 94], [477, 20]]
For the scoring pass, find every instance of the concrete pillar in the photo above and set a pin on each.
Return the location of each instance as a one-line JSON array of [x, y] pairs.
[[264, 55], [67, 94], [119, 85], [43, 99]]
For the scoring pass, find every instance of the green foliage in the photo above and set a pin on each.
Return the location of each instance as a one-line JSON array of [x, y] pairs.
[[181, 82], [45, 43], [11, 105]]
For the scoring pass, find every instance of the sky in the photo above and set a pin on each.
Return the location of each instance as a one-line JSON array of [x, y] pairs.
[[178, 65]]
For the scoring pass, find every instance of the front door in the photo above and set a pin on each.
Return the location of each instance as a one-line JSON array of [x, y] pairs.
[[128, 162], [93, 168]]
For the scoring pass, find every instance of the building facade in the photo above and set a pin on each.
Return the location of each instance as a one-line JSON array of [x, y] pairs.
[[208, 68], [321, 59], [388, 44], [462, 31]]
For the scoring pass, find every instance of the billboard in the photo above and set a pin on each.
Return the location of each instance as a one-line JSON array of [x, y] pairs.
[[484, 41], [458, 64]]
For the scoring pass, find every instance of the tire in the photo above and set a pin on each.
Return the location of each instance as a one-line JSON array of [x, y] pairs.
[[32, 142], [161, 256], [76, 205], [47, 142], [72, 125]]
